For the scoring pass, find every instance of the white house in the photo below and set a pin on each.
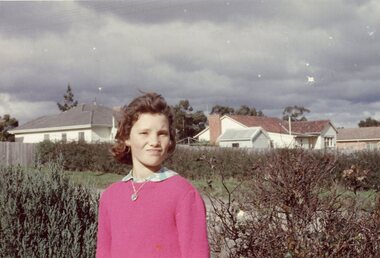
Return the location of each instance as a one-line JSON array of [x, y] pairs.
[[306, 134], [87, 122]]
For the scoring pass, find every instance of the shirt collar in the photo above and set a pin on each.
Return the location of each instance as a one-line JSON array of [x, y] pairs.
[[160, 175]]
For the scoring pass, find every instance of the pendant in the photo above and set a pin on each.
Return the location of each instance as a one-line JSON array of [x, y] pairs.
[[134, 197]]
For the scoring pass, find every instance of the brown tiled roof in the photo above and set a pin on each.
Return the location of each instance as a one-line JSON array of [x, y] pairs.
[[309, 126], [276, 125], [269, 124], [362, 133], [85, 114]]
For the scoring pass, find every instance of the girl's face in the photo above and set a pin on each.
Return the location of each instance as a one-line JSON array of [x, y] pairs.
[[149, 141]]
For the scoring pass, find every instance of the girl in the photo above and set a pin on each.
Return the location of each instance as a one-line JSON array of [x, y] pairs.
[[153, 211]]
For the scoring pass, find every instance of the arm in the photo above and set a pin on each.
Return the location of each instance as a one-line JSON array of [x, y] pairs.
[[192, 226], [103, 245]]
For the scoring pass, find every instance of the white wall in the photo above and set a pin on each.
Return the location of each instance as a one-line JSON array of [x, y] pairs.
[[101, 134], [242, 143], [228, 123], [71, 135], [282, 140], [261, 142], [328, 132]]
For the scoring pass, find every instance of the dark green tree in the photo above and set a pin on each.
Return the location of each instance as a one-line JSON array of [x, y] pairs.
[[7, 123], [187, 122], [248, 111], [222, 110], [296, 113], [368, 122], [68, 100]]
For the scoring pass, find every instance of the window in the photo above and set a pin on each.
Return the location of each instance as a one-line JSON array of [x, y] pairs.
[[81, 136], [235, 145], [64, 137], [329, 142], [371, 146], [46, 137]]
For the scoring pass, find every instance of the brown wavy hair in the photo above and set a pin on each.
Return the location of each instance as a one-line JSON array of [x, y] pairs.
[[151, 103]]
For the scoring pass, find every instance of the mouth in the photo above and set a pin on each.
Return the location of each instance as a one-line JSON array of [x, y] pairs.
[[154, 151]]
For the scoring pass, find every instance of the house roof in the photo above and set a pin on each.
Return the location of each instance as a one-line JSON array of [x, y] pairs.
[[362, 133], [240, 134], [309, 127], [276, 125], [270, 124], [85, 114]]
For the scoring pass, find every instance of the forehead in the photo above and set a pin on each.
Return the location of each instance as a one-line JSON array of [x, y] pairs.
[[148, 120]]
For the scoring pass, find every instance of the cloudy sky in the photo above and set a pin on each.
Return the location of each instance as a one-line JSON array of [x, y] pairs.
[[320, 54]]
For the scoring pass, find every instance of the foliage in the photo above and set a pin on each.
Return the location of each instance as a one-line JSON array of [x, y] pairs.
[[187, 122], [287, 213], [7, 123], [368, 122], [68, 100], [44, 215], [81, 156], [296, 113], [243, 110]]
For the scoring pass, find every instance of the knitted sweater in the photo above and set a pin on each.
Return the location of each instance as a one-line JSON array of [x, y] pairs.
[[167, 220]]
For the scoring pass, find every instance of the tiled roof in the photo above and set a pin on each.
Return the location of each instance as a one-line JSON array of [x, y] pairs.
[[309, 126], [269, 124], [84, 114], [361, 133], [276, 125]]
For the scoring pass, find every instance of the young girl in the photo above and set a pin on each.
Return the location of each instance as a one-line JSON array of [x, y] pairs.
[[153, 211]]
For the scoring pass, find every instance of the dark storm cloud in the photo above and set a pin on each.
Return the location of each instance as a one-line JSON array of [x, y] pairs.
[[32, 19], [264, 53]]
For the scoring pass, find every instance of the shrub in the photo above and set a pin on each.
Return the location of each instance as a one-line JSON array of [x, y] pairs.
[[289, 213], [81, 156], [44, 215]]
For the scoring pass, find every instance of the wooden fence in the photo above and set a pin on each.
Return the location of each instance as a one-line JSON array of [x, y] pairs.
[[17, 153]]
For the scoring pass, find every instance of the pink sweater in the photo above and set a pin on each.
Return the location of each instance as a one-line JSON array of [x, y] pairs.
[[167, 220]]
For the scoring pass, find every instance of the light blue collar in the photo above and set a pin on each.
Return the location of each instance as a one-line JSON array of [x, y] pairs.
[[160, 175]]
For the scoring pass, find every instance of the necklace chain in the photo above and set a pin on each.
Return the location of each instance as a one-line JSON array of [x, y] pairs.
[[135, 192]]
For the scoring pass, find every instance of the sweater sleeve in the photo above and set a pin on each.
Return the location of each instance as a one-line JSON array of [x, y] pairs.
[[103, 245], [192, 226]]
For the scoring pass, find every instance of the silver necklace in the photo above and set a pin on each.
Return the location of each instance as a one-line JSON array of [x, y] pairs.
[[135, 193]]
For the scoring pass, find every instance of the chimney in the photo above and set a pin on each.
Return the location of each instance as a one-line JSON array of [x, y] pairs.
[[215, 127]]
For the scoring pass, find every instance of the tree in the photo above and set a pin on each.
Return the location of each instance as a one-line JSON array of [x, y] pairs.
[[248, 111], [68, 100], [369, 121], [187, 122], [296, 113], [222, 110], [7, 123], [243, 110]]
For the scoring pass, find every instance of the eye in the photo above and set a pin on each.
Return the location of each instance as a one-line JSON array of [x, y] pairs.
[[143, 133]]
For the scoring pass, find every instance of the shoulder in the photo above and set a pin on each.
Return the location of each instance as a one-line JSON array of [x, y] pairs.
[[113, 189]]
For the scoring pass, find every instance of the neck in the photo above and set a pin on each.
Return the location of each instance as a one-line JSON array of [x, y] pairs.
[[142, 172]]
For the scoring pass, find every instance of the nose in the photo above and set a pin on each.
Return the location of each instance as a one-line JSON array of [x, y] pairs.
[[154, 140]]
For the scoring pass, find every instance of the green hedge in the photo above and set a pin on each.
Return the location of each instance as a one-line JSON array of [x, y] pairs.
[[44, 215], [195, 162]]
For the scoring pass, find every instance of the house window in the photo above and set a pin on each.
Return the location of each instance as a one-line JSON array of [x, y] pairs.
[[64, 137], [371, 146], [235, 145], [46, 137], [81, 136], [329, 142]]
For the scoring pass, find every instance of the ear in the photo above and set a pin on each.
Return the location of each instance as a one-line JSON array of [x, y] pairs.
[[128, 142]]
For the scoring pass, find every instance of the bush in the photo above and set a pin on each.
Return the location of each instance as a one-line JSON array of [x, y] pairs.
[[289, 213], [44, 215], [81, 156]]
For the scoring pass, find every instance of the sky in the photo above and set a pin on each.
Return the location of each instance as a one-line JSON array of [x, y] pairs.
[[268, 54]]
